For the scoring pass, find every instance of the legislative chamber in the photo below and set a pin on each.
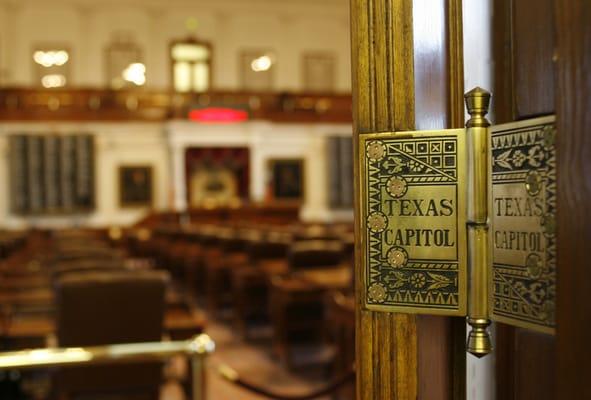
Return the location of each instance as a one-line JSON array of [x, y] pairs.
[[294, 199], [178, 182]]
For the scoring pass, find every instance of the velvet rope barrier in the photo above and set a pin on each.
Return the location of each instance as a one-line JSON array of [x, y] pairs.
[[231, 375]]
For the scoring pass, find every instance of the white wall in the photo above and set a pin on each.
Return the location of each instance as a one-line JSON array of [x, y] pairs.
[[86, 27], [289, 27], [265, 141], [115, 145], [163, 147]]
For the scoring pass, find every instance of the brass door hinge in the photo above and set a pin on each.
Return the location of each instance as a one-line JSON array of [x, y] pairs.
[[461, 222]]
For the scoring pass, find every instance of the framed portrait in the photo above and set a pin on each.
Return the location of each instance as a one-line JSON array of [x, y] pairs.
[[287, 179], [319, 71], [135, 186]]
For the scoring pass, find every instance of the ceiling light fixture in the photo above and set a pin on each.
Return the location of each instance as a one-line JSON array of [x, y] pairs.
[[135, 73], [53, 81], [262, 63], [51, 58]]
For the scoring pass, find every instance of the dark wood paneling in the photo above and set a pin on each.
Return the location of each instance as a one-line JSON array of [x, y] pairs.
[[383, 100], [438, 64], [533, 49], [523, 51], [389, 41], [525, 366], [503, 101], [442, 357], [534, 366], [431, 64], [79, 104], [573, 198], [505, 367], [434, 357], [523, 48]]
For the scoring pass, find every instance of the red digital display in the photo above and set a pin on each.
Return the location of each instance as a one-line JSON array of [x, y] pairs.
[[218, 115]]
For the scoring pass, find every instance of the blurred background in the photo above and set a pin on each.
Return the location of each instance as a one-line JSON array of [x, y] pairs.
[[171, 168]]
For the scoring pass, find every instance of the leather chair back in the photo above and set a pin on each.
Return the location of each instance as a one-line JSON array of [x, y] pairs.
[[83, 254], [315, 254], [314, 232], [266, 250], [87, 266], [100, 308]]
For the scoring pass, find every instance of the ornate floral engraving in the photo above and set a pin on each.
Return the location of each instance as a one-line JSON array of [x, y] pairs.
[[524, 272], [404, 164]]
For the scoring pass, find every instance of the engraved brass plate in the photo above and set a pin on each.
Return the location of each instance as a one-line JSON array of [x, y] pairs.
[[413, 227], [523, 274]]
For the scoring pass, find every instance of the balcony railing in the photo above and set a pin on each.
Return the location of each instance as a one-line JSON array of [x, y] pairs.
[[197, 348], [25, 104]]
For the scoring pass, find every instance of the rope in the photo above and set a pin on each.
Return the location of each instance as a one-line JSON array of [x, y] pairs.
[[232, 376]]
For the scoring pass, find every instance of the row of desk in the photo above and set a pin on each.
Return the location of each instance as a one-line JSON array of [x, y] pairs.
[[27, 307]]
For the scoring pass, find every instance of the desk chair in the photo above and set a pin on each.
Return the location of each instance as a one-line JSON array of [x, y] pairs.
[[100, 308], [250, 284], [297, 298], [340, 307], [87, 266]]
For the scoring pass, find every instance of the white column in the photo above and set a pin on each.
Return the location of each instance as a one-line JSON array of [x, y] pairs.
[[258, 178], [106, 178], [315, 174], [179, 177], [4, 177]]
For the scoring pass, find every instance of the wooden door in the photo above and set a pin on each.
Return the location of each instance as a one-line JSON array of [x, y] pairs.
[[573, 94], [525, 78], [539, 52], [407, 74]]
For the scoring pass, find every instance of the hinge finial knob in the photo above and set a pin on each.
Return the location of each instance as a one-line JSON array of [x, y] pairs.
[[477, 103]]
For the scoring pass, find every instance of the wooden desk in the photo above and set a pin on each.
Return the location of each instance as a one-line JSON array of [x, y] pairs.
[[33, 297], [341, 315], [184, 325], [18, 283], [44, 296], [273, 267], [328, 278], [29, 327], [297, 307], [33, 331]]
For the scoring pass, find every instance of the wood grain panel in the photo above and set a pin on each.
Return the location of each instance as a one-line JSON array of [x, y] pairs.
[[439, 90], [434, 337], [398, 357], [523, 51], [523, 45], [383, 100], [430, 63], [503, 101], [504, 365], [82, 104], [574, 198], [455, 68], [534, 366], [533, 49]]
